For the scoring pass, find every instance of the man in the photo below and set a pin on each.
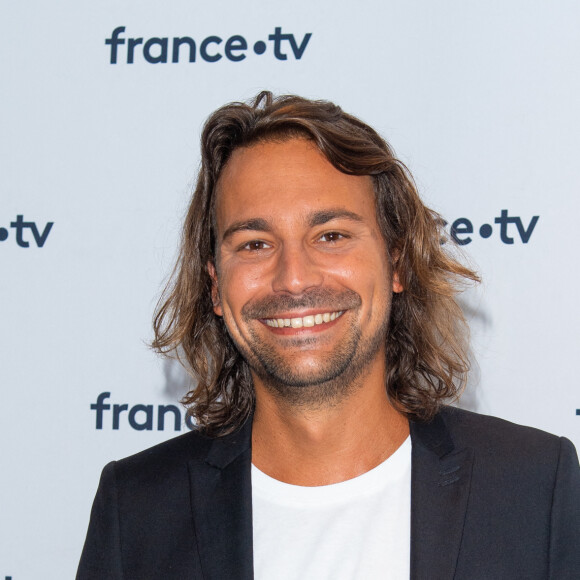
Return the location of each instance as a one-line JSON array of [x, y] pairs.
[[314, 303]]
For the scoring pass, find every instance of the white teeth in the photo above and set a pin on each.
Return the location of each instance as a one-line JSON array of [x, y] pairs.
[[305, 321]]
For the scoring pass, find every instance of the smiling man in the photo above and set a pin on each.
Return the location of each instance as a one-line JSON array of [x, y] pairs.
[[304, 282], [314, 304]]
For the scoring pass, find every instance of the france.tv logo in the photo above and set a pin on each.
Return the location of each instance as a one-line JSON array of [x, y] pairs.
[[509, 228], [26, 232], [161, 50]]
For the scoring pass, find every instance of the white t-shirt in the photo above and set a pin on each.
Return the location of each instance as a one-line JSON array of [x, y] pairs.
[[358, 529]]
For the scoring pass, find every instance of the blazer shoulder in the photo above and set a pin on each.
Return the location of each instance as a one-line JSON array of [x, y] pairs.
[[192, 452], [164, 458], [500, 438]]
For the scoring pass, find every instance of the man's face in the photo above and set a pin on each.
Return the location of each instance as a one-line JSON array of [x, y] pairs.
[[303, 280]]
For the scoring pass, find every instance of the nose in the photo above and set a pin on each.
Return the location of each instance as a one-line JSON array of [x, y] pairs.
[[296, 271]]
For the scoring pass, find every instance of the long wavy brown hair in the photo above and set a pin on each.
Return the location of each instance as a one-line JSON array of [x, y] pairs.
[[426, 342]]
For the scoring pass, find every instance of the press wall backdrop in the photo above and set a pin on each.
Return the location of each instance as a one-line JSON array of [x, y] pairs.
[[102, 106]]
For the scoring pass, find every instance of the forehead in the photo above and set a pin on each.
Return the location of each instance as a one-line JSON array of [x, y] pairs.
[[287, 180]]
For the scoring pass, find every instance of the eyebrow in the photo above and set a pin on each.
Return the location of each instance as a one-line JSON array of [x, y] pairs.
[[255, 224], [317, 218], [321, 217]]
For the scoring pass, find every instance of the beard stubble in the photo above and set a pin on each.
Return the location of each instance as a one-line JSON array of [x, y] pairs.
[[336, 375]]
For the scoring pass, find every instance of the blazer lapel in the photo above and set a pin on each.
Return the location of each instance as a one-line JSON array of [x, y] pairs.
[[221, 498], [440, 483]]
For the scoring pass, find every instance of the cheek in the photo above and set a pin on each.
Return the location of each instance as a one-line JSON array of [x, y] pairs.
[[240, 283], [366, 272], [344, 268], [369, 276]]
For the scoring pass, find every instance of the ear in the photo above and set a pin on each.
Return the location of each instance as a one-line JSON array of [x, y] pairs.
[[215, 295], [397, 286]]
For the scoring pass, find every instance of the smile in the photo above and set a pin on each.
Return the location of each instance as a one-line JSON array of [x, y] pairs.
[[303, 322]]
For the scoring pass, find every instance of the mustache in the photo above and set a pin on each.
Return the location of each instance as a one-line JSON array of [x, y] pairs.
[[322, 298]]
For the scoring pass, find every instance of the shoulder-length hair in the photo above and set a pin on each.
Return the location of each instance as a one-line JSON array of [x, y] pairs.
[[426, 342]]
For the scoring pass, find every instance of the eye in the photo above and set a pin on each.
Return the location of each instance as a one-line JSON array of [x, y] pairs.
[[331, 237], [254, 246]]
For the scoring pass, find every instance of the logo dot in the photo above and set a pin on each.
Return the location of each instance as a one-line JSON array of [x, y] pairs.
[[260, 47], [3, 234], [485, 231]]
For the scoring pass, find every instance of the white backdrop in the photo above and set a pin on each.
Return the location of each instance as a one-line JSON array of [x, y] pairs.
[[479, 99]]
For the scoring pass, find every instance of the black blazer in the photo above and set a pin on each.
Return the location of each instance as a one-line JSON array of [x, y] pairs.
[[489, 501]]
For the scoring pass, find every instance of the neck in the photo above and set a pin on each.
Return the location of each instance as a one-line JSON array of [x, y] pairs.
[[328, 444]]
